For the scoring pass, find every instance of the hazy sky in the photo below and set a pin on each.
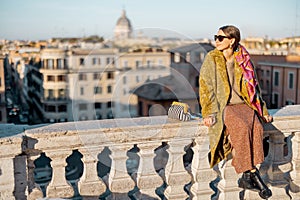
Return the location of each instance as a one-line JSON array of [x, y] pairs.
[[44, 19]]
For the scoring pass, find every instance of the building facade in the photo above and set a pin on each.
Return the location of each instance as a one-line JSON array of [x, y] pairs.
[[135, 67], [156, 96], [72, 85], [280, 83]]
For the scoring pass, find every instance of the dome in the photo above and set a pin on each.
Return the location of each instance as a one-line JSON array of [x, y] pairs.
[[124, 21], [123, 28]]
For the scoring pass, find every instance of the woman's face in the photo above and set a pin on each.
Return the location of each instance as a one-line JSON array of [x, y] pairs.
[[222, 41]]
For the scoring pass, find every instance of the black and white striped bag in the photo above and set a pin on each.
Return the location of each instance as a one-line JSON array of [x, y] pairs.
[[179, 110]]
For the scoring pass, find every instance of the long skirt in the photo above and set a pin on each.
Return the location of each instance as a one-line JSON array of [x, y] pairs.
[[245, 135]]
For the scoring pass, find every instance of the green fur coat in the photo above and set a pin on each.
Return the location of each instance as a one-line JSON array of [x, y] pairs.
[[214, 94]]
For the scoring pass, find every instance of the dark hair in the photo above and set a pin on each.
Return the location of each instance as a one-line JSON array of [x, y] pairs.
[[232, 32]]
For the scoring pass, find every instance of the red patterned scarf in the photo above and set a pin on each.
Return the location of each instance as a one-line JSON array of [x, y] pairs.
[[243, 58]]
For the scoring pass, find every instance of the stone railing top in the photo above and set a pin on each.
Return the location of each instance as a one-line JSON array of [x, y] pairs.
[[130, 124], [288, 111]]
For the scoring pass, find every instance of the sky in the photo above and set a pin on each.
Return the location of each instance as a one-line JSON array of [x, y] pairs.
[[193, 19]]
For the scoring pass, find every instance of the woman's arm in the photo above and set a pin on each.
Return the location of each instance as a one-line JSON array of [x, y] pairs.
[[207, 88], [267, 117]]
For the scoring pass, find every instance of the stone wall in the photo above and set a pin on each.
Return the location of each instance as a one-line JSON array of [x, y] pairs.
[[139, 158]]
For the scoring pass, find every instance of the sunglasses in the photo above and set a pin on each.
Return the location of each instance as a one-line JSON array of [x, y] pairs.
[[220, 37]]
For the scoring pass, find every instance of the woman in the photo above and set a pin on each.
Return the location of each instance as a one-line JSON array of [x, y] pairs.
[[233, 109]]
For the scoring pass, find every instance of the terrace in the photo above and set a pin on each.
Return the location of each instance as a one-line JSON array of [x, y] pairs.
[[138, 158]]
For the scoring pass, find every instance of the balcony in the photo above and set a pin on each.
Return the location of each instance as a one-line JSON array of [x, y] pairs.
[[138, 158]]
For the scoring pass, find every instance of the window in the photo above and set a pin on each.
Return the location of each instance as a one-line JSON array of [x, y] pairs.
[[291, 81], [138, 63], [148, 63], [62, 108], [97, 76], [110, 104], [61, 78], [97, 105], [82, 106], [94, 61], [109, 89], [50, 63], [188, 57], [177, 57], [97, 90], [82, 77], [81, 91], [110, 75], [276, 78], [50, 78], [65, 63], [49, 108], [50, 94], [107, 60], [60, 63], [62, 93], [81, 61], [275, 100]]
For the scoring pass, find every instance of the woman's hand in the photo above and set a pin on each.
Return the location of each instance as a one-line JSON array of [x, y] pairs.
[[209, 121], [268, 118]]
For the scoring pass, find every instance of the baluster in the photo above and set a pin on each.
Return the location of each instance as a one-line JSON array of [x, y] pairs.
[[228, 184], [295, 173], [119, 179], [201, 171], [34, 190], [9, 148], [6, 178], [279, 165], [90, 184], [59, 187], [148, 180], [176, 175]]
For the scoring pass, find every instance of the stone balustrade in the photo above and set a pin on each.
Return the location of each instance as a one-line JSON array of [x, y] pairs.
[[139, 158]]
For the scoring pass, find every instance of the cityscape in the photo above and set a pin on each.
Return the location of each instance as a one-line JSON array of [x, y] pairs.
[[131, 75], [91, 79]]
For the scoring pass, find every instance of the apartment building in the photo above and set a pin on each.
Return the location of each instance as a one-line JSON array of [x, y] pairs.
[[72, 85], [280, 83], [135, 67], [47, 86], [92, 78], [156, 96]]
